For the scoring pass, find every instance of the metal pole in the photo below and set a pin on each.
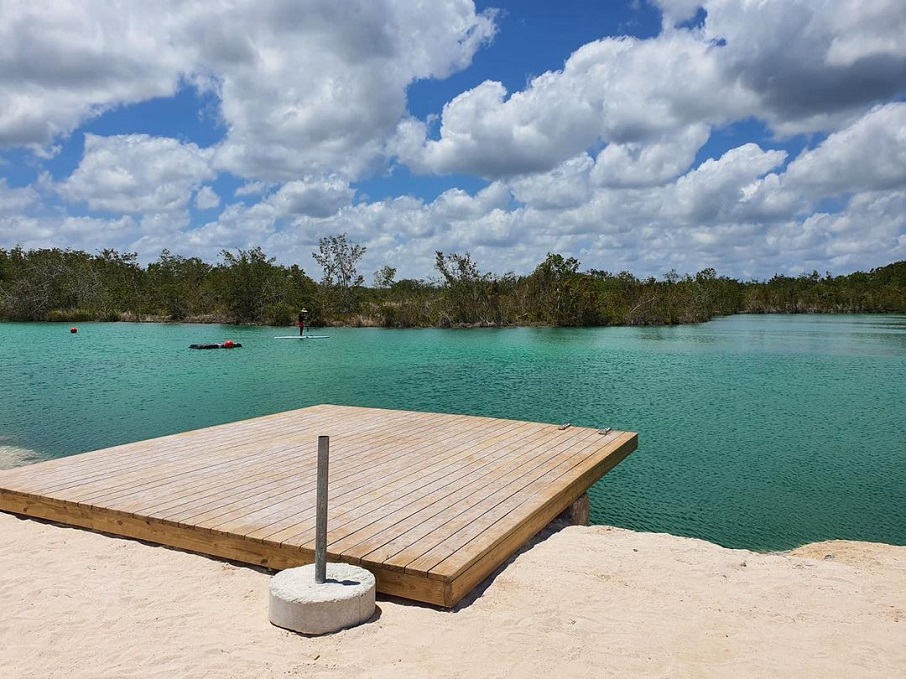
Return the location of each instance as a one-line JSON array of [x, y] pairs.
[[321, 519]]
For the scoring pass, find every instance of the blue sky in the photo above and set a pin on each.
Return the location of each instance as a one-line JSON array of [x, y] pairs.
[[645, 135]]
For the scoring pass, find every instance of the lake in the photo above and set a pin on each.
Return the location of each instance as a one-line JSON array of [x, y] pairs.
[[761, 432]]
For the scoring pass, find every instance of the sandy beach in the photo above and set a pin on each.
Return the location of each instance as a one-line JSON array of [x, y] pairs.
[[577, 602]]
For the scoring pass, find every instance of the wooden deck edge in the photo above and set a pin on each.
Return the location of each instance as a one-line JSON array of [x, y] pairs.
[[209, 543], [413, 587], [113, 522], [466, 580]]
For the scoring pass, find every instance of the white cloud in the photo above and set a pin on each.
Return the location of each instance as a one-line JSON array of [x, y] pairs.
[[747, 212], [797, 65], [566, 186], [866, 29], [84, 233], [16, 200], [251, 189], [206, 198], [457, 205], [27, 232], [137, 173], [872, 223], [677, 11], [323, 84], [64, 62], [812, 65], [311, 198], [869, 155], [719, 189], [285, 223], [619, 90], [870, 230], [596, 159], [656, 162], [304, 87]]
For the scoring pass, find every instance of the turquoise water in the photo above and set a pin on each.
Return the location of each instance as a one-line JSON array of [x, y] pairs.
[[762, 432]]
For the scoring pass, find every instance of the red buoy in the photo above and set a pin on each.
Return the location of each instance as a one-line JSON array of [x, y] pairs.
[[73, 330], [228, 344]]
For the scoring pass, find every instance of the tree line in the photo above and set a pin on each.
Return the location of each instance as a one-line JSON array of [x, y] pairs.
[[248, 287]]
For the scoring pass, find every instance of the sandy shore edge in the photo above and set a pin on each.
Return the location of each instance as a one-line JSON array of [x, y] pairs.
[[579, 602]]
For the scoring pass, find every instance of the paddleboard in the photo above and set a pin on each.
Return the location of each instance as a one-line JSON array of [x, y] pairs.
[[302, 337]]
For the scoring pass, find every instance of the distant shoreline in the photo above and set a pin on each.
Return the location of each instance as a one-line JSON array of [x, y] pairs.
[[212, 319], [250, 288]]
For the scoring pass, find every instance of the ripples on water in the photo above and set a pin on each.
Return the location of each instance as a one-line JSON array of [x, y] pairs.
[[762, 432]]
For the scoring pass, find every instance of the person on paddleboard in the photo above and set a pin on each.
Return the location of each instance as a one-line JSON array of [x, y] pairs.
[[302, 316]]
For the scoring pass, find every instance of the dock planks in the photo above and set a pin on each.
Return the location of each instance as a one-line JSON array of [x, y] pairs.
[[430, 503]]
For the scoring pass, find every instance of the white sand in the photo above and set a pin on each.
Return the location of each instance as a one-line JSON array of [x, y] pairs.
[[585, 602]]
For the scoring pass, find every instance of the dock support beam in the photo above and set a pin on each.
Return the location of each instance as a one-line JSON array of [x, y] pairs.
[[577, 512]]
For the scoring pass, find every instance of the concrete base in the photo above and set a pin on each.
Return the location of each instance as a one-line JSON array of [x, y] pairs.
[[300, 604]]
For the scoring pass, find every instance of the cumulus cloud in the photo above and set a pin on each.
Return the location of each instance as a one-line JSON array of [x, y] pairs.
[[610, 156], [403, 232], [251, 189], [310, 198], [67, 61], [843, 241], [718, 189], [619, 90], [457, 205], [811, 64], [654, 162], [137, 173], [566, 186], [302, 87], [869, 155], [649, 209], [206, 198], [322, 85], [799, 65], [87, 233], [13, 201]]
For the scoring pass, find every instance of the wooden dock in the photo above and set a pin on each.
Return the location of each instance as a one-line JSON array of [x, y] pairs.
[[430, 503]]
